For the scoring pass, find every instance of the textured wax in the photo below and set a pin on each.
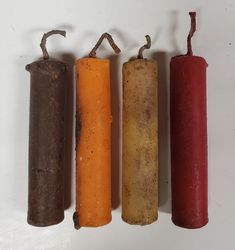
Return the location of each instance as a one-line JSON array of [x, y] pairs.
[[46, 141], [188, 138], [140, 142], [93, 141]]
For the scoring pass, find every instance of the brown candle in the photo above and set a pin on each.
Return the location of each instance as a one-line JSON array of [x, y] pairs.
[[140, 142], [46, 139]]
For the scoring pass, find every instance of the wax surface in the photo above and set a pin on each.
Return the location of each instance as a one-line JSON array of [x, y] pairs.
[[46, 143], [140, 142], [188, 141], [93, 157]]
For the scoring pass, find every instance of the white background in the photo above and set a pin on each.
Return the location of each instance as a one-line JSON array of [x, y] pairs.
[[22, 24]]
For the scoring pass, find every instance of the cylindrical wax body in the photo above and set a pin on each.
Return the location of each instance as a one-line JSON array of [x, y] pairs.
[[46, 143], [93, 157], [140, 142], [188, 141]]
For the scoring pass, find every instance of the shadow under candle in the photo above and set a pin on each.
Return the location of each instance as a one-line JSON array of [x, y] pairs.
[[69, 129], [115, 131], [19, 162], [163, 132], [164, 152]]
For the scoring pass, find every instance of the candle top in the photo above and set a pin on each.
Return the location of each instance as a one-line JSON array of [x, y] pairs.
[[47, 64], [139, 63], [44, 66], [90, 59], [92, 64], [189, 58]]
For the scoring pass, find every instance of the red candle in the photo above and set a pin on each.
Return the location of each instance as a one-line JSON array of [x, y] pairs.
[[188, 137]]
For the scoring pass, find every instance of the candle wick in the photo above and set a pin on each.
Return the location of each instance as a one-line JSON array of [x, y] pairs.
[[111, 42], [191, 32], [145, 46], [44, 39]]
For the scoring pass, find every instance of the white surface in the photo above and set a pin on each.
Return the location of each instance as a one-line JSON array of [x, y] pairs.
[[22, 25]]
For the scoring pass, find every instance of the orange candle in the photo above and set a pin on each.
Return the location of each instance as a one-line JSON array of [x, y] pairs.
[[93, 140]]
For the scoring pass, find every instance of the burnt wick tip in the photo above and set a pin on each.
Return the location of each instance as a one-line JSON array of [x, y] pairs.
[[192, 13]]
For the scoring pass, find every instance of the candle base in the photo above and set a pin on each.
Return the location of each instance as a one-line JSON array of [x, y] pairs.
[[140, 222], [45, 224], [78, 225], [194, 225]]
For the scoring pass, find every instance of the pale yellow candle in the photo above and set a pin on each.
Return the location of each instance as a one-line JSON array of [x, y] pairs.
[[140, 141]]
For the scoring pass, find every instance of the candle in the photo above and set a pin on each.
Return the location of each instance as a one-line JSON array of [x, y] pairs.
[[140, 141], [46, 139], [188, 137], [93, 140]]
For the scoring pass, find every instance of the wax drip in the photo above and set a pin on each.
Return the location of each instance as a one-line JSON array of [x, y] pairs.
[[76, 221], [191, 32], [111, 42], [146, 46], [44, 39]]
